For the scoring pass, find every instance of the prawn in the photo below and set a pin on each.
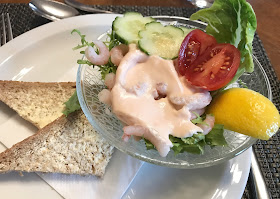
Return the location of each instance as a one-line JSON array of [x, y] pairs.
[[208, 125], [196, 112], [105, 97], [110, 80], [98, 59], [193, 102], [162, 145], [117, 53]]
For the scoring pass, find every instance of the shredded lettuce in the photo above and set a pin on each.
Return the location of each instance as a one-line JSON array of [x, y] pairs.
[[149, 145], [216, 136], [113, 40], [234, 22], [199, 119], [84, 43], [195, 144], [72, 104], [106, 69]]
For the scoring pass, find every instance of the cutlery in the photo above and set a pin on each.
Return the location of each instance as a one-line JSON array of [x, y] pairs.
[[6, 38], [52, 10], [261, 191], [84, 7]]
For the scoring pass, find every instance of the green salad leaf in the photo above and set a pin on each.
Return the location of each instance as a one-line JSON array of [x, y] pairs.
[[104, 69], [197, 142], [72, 104], [108, 68], [113, 40], [84, 42], [194, 144], [199, 119], [234, 22], [216, 136], [149, 145]]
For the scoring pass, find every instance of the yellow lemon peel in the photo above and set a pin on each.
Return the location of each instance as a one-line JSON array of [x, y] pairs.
[[245, 111]]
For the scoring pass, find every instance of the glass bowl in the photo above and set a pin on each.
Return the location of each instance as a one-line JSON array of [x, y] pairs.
[[89, 84]]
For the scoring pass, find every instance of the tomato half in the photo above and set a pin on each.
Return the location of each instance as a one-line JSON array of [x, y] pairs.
[[194, 44], [214, 68]]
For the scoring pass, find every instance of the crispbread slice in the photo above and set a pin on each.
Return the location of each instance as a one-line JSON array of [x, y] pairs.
[[68, 145], [37, 102]]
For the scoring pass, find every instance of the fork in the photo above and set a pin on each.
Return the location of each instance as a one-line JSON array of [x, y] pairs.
[[5, 38]]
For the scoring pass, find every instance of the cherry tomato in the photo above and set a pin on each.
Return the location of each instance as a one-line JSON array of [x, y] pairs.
[[194, 44], [214, 68]]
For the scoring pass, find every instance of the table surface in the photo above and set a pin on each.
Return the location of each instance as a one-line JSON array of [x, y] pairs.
[[267, 12], [268, 155]]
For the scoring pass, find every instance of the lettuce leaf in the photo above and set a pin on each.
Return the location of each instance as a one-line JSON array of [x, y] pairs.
[[197, 142], [84, 42], [216, 136], [194, 144], [234, 22], [72, 104]]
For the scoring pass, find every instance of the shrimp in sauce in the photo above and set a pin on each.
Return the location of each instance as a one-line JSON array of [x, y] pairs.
[[98, 59]]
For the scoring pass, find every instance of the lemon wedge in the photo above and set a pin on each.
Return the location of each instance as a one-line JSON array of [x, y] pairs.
[[245, 111]]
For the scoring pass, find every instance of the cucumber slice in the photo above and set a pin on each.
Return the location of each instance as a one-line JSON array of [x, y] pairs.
[[186, 30], [126, 28], [164, 41]]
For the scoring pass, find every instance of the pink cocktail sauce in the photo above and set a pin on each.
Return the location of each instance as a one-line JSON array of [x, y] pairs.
[[153, 101]]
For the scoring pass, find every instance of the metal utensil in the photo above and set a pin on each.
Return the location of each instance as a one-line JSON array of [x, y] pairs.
[[7, 29], [85, 7], [52, 10], [261, 191]]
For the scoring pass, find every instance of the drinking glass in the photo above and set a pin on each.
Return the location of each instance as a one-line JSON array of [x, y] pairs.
[[202, 3]]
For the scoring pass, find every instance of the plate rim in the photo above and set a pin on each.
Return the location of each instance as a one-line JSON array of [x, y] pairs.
[[19, 43]]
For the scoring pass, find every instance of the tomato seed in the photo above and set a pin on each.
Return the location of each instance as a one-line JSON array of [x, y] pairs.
[[223, 67], [196, 69], [227, 58], [226, 63], [212, 76], [189, 53]]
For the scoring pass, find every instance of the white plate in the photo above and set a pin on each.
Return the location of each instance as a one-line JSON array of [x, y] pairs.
[[45, 54], [224, 181]]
